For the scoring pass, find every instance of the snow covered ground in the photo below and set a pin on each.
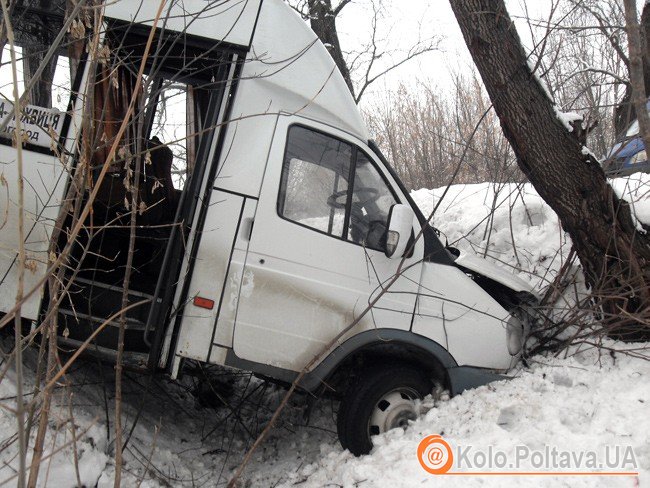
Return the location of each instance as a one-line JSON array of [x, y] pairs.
[[584, 402], [580, 401]]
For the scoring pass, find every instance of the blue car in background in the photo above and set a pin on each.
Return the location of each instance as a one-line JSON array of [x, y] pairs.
[[629, 155]]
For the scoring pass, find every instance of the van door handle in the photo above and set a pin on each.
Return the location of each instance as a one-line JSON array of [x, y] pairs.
[[247, 228]]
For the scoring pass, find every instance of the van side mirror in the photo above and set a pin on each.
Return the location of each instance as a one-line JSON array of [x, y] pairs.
[[400, 227]]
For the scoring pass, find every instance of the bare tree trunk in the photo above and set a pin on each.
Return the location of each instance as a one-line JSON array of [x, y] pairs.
[[625, 112], [41, 94], [645, 45], [134, 207], [322, 19], [613, 254], [636, 70], [38, 34], [3, 27]]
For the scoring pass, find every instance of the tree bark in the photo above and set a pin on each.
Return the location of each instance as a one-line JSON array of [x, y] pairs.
[[637, 71], [614, 255], [322, 20], [625, 112], [41, 94], [37, 33]]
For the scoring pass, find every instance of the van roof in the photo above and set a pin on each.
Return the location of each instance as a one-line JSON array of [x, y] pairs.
[[232, 21]]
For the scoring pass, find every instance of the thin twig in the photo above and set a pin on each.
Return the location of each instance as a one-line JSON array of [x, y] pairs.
[[18, 142]]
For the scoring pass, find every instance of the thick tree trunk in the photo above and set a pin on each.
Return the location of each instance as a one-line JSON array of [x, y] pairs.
[[41, 94], [36, 33], [625, 112], [614, 255], [322, 20], [637, 70], [3, 28]]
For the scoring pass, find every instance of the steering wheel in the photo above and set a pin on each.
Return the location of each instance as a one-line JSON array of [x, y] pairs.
[[360, 196], [376, 234]]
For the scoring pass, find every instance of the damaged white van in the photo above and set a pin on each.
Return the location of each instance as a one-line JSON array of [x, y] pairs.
[[267, 221]]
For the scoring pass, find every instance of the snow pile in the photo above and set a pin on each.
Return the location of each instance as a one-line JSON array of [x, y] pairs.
[[57, 468], [508, 223], [567, 118], [511, 225], [582, 403], [635, 189]]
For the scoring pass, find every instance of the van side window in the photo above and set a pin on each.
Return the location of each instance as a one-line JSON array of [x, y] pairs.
[[52, 93], [316, 170], [43, 116], [315, 189]]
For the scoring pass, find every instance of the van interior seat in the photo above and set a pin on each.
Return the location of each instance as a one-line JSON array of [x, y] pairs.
[[156, 189], [162, 184]]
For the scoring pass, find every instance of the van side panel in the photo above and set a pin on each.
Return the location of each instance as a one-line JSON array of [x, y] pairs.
[[45, 180], [246, 147], [218, 239], [302, 287], [453, 310], [238, 283]]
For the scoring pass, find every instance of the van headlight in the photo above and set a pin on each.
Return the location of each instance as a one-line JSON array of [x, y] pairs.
[[515, 335]]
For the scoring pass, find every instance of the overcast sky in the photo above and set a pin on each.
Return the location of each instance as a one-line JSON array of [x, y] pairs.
[[410, 18]]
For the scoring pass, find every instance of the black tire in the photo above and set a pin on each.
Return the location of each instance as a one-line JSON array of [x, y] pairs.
[[360, 401]]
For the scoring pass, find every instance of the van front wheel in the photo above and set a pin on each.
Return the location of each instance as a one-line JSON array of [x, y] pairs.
[[381, 400]]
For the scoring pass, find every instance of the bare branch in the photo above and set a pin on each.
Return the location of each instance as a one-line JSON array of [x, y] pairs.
[[337, 10]]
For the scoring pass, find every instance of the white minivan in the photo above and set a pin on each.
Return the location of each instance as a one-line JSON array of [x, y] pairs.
[[267, 220]]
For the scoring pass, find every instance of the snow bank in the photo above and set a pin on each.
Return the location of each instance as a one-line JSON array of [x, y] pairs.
[[57, 467], [512, 226], [585, 402]]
